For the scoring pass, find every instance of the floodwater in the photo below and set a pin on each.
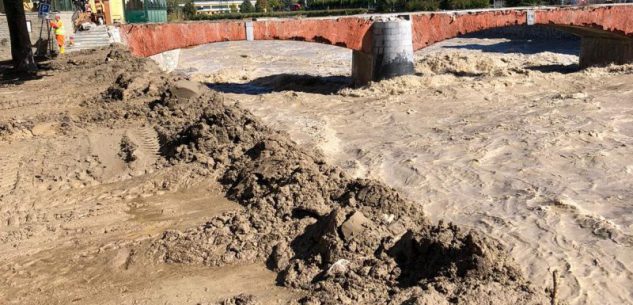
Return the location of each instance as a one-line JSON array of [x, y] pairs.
[[504, 136]]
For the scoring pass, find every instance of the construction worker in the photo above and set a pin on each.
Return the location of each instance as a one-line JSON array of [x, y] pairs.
[[58, 26], [99, 8]]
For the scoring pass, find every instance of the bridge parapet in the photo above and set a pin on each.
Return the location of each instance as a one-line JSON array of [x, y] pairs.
[[607, 31]]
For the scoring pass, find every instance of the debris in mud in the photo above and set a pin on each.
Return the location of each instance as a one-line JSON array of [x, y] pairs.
[[128, 149], [187, 89], [241, 299], [14, 126]]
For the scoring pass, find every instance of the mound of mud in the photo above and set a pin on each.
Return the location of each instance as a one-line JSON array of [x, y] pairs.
[[463, 65], [481, 65], [339, 240], [448, 67]]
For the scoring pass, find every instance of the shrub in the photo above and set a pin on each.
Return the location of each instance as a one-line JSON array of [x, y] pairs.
[[246, 7], [280, 14], [528, 2], [189, 10], [261, 6], [422, 5], [466, 4]]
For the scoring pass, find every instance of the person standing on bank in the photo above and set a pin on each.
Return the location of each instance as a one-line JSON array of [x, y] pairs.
[[58, 26]]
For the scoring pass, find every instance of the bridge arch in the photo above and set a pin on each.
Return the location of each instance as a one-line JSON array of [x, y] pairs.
[[606, 31], [151, 39], [612, 21]]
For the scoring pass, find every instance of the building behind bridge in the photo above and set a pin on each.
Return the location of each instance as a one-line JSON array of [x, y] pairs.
[[116, 11], [210, 7]]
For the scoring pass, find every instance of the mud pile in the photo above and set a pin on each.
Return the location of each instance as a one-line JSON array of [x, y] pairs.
[[482, 65], [463, 65], [339, 240], [439, 69]]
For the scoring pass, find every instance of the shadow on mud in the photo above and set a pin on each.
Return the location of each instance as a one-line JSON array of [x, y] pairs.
[[562, 69], [286, 82], [526, 46], [8, 76]]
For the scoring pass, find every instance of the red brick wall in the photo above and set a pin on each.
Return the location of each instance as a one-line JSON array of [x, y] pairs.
[[345, 32], [615, 19], [351, 32], [430, 28], [149, 39]]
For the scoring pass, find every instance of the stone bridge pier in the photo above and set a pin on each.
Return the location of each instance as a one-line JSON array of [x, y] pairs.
[[387, 52], [600, 49]]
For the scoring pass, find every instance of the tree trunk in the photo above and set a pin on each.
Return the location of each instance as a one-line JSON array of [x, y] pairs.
[[21, 50]]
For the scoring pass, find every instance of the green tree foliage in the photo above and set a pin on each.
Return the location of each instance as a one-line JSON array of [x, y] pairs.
[[172, 6], [339, 4], [530, 2], [189, 10], [402, 5], [261, 6], [175, 10], [465, 4], [422, 5], [284, 14], [288, 3], [247, 7], [391, 5], [388, 5], [431, 5], [234, 8], [274, 5], [410, 5]]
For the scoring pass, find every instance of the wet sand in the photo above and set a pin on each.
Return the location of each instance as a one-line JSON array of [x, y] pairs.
[[515, 142]]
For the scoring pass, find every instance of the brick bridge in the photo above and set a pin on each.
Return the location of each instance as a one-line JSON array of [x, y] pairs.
[[383, 44]]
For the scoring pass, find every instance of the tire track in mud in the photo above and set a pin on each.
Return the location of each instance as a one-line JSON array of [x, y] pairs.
[[9, 105], [148, 145], [8, 171]]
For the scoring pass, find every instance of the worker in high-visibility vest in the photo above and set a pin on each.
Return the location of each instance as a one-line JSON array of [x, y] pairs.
[[58, 26]]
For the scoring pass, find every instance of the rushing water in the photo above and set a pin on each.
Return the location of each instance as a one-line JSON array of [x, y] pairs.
[[504, 136]]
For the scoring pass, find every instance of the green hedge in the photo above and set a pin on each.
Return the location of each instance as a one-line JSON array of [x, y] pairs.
[[431, 5], [319, 13], [532, 2], [466, 4], [339, 4]]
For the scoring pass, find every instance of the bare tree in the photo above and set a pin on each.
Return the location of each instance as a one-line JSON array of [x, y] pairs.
[[21, 50]]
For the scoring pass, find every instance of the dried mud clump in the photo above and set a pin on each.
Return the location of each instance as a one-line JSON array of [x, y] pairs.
[[128, 149], [433, 265], [241, 299], [340, 240]]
